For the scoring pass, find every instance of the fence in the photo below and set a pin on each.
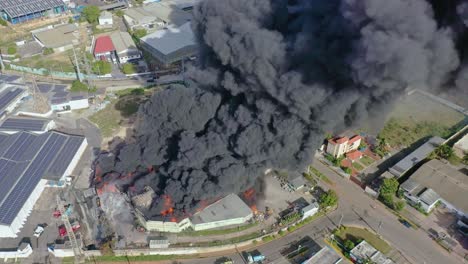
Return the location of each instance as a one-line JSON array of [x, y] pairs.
[[56, 74]]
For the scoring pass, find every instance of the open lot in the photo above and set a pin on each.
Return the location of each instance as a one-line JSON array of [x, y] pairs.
[[355, 233], [417, 116]]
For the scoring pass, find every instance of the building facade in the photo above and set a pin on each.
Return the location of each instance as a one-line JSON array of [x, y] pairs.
[[337, 147]]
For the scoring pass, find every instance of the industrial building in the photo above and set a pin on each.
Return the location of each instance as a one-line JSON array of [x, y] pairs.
[[28, 163], [12, 125], [228, 211], [171, 45], [415, 157], [436, 181], [156, 16], [18, 11], [59, 37]]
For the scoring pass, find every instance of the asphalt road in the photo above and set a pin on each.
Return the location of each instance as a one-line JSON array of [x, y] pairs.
[[355, 208]]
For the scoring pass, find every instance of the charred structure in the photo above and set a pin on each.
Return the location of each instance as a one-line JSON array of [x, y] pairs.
[[273, 76]]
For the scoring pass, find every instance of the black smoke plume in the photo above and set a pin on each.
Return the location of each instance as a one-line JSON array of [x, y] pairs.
[[273, 76]]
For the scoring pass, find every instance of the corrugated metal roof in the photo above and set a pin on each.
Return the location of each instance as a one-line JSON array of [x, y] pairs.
[[122, 41], [16, 8], [171, 39], [230, 207]]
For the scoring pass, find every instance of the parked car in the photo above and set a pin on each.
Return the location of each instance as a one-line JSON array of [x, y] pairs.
[[38, 231], [405, 223]]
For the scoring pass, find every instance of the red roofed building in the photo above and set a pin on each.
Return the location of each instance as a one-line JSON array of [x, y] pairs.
[[337, 147], [354, 155], [104, 48]]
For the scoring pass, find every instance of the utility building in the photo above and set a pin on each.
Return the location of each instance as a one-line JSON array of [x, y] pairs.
[[28, 163]]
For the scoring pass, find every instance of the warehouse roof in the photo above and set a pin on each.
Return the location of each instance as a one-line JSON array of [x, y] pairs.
[[25, 159], [416, 156], [168, 13], [16, 8], [24, 124], [229, 207], [58, 36], [171, 39], [122, 41], [8, 95], [444, 180], [7, 78]]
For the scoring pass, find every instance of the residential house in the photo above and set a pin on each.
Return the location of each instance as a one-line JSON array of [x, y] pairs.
[[125, 47], [104, 49], [354, 155], [337, 147], [310, 210]]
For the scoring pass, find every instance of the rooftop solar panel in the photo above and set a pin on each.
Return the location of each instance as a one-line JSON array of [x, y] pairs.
[[25, 160], [44, 87], [8, 96], [60, 94], [58, 100], [17, 8], [24, 124], [59, 88], [60, 164]]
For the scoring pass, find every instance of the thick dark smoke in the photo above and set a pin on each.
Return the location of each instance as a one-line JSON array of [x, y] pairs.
[[274, 76]]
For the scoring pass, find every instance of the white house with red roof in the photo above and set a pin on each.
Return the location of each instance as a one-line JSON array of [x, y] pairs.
[[339, 146], [104, 49]]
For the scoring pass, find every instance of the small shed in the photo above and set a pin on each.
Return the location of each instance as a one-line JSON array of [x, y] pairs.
[[158, 242]]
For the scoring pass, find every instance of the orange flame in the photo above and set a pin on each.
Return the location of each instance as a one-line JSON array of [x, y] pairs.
[[254, 209], [167, 203]]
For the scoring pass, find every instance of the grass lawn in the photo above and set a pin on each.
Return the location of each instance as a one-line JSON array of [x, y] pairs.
[[366, 160], [54, 62], [219, 231], [417, 116], [107, 119], [355, 233], [358, 166], [321, 175], [129, 259]]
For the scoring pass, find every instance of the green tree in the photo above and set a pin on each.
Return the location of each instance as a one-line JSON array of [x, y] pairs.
[[128, 68], [328, 199], [444, 151], [48, 51], [70, 20], [91, 13], [465, 159], [139, 33], [102, 67], [348, 244], [400, 205], [389, 186], [3, 22], [11, 50], [347, 170], [119, 13], [78, 86]]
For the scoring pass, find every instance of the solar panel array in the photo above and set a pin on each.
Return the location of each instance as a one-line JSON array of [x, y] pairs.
[[17, 8], [8, 96], [44, 87], [24, 124], [27, 158], [9, 78]]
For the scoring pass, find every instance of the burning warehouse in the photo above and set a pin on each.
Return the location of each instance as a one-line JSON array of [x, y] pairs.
[[228, 211]]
